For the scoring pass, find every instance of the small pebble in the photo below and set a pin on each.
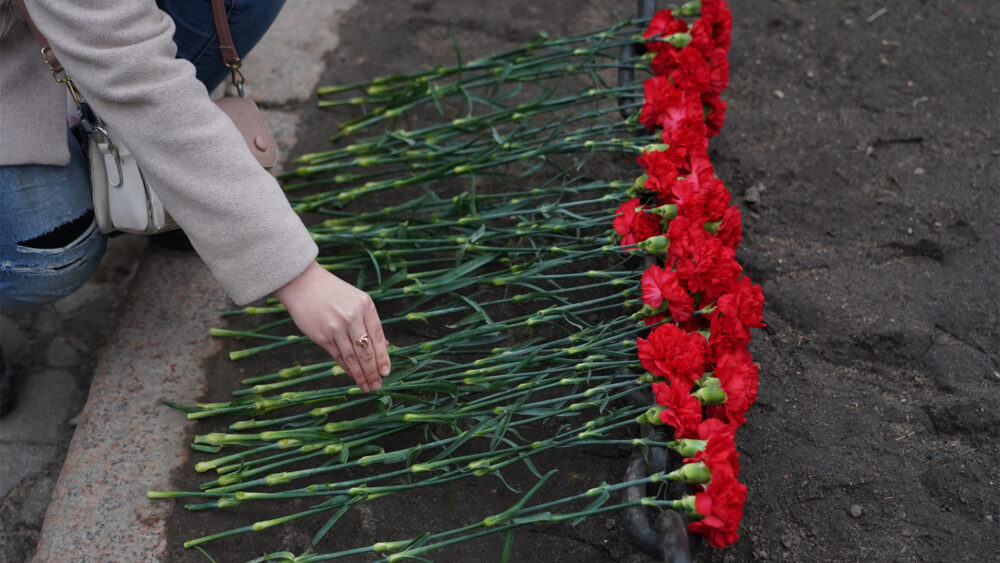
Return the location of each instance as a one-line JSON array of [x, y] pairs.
[[856, 510], [779, 94], [610, 524], [918, 171]]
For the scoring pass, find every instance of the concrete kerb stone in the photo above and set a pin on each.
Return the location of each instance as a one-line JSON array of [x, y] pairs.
[[126, 442]]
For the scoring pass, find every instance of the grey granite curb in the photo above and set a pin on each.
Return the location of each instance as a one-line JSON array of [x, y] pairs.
[[126, 442]]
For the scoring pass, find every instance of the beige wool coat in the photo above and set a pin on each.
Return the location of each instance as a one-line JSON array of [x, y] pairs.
[[121, 55]]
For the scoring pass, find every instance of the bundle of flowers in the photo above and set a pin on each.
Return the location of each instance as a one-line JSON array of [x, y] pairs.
[[506, 298], [695, 299]]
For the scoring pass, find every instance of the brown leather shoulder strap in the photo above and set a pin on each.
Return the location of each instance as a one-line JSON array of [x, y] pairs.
[[50, 57], [226, 47]]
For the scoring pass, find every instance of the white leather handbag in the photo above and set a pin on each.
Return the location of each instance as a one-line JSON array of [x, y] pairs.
[[123, 201]]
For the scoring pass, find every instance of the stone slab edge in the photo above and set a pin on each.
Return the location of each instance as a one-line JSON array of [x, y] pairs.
[[126, 442]]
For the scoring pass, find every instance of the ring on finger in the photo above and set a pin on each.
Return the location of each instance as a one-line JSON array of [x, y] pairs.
[[363, 340]]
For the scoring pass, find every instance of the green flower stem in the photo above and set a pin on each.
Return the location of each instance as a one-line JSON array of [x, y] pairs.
[[514, 454], [530, 70], [525, 320], [541, 104], [460, 374], [513, 518], [430, 144], [287, 373], [254, 423], [540, 41], [491, 155]]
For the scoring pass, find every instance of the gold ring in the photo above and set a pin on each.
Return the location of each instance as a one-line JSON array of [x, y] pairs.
[[363, 340]]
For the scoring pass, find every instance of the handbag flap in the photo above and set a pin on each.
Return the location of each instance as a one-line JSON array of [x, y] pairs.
[[122, 199], [250, 122]]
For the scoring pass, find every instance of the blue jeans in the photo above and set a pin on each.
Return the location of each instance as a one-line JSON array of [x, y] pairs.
[[38, 201]]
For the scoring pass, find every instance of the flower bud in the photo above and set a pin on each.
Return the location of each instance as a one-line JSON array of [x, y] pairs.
[[655, 246], [711, 394], [639, 185], [667, 211], [688, 447], [659, 147], [692, 473], [689, 9], [679, 40], [651, 416]]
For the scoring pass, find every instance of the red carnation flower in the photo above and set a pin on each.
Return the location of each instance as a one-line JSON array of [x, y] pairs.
[[701, 36], [683, 411], [683, 234], [728, 335], [715, 113], [634, 224], [692, 72], [698, 160], [718, 65], [711, 269], [700, 196], [721, 504], [689, 199], [657, 94], [730, 232], [687, 144], [716, 16], [744, 301], [720, 453], [713, 29], [665, 61], [674, 354], [712, 426], [669, 107], [739, 378], [716, 198], [660, 171], [659, 285], [663, 24]]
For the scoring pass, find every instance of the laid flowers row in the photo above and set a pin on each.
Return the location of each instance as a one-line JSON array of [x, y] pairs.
[[509, 296], [697, 302]]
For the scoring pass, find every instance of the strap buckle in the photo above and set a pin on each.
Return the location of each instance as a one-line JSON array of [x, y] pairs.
[[60, 76], [236, 75]]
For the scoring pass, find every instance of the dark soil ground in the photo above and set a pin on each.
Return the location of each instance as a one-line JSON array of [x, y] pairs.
[[861, 144]]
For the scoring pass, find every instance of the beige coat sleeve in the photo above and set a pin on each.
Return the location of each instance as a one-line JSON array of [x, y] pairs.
[[121, 55]]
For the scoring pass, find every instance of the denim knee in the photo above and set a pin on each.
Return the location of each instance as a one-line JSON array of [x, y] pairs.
[[32, 277], [38, 200]]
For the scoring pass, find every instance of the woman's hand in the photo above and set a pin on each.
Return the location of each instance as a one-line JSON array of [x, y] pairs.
[[342, 320]]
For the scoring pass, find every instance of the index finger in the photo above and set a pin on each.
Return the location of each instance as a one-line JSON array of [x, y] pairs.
[[374, 327]]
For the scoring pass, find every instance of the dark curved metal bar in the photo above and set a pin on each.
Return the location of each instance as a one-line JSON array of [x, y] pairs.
[[668, 541], [626, 73]]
